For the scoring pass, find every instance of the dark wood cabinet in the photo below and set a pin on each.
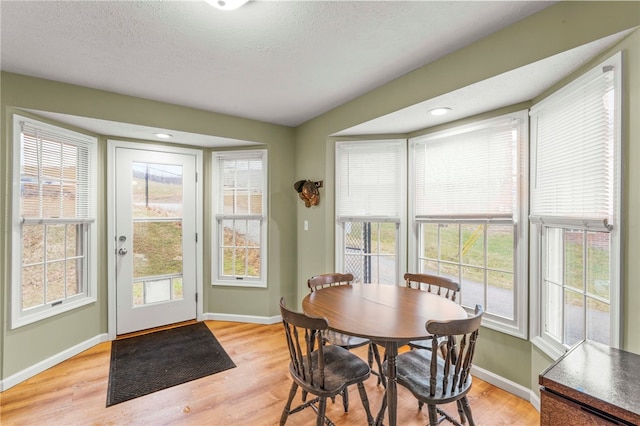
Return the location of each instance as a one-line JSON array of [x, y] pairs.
[[592, 384]]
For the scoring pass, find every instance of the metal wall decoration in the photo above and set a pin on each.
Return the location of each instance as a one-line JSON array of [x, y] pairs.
[[308, 191]]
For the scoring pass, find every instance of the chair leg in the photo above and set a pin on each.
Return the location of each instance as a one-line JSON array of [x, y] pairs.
[[365, 402], [433, 415], [345, 399], [322, 408], [287, 407], [381, 378], [383, 408], [467, 410], [461, 411]]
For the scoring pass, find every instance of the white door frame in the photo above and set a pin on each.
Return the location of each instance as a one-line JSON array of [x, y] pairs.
[[112, 145]]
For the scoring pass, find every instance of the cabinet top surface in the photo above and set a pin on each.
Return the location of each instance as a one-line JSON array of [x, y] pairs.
[[597, 371]]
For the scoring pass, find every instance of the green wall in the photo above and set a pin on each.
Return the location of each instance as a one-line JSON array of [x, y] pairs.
[[26, 346], [553, 30], [307, 152]]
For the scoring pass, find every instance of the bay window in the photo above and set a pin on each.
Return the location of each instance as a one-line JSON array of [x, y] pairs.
[[240, 209], [575, 211], [467, 189], [54, 213], [370, 199]]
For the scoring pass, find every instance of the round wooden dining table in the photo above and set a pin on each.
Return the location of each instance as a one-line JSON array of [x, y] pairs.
[[388, 315]]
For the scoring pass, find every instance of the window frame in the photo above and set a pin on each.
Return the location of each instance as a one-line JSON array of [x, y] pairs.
[[518, 326], [19, 316], [400, 220], [545, 342], [217, 231]]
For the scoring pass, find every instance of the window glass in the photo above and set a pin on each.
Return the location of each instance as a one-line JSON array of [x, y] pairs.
[[575, 209], [54, 220], [467, 187], [370, 252], [240, 206], [370, 200]]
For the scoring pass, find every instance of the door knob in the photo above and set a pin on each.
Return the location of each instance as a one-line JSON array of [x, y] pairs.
[[122, 251]]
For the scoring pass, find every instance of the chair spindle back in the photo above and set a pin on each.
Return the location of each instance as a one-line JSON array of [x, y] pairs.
[[327, 280], [305, 342], [442, 286], [460, 343]]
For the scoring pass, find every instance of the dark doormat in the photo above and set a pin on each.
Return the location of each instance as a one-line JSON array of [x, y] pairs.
[[151, 362]]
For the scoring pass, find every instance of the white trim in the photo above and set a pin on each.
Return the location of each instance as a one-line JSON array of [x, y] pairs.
[[66, 306], [401, 220], [537, 334], [89, 295], [517, 327], [506, 385], [217, 279], [252, 319], [551, 350], [112, 144], [534, 399], [38, 368]]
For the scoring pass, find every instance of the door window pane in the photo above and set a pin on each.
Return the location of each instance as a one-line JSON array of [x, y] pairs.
[[157, 248], [157, 190]]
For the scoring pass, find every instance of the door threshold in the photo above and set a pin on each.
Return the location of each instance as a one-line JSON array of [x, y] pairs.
[[153, 330]]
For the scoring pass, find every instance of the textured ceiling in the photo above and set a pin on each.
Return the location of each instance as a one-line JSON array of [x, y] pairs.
[[282, 62]]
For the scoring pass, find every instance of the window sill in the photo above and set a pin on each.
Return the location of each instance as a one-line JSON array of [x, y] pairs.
[[501, 327], [22, 320], [549, 349], [239, 284]]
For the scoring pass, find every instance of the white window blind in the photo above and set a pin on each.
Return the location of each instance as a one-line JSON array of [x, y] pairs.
[[369, 181], [574, 140], [242, 175], [468, 173], [56, 176]]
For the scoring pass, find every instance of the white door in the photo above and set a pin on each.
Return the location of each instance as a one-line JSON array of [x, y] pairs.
[[155, 205]]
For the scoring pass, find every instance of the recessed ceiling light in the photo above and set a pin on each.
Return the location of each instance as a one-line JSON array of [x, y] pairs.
[[226, 4], [439, 111], [163, 135]]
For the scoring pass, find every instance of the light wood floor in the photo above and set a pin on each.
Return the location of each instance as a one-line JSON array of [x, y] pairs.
[[74, 392]]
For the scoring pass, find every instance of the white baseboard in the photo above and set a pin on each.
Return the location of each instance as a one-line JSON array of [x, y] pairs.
[[507, 385], [29, 372], [242, 318], [535, 400]]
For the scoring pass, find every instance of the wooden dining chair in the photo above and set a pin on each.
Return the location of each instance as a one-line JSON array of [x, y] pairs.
[[319, 369], [434, 380], [321, 281], [442, 286]]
